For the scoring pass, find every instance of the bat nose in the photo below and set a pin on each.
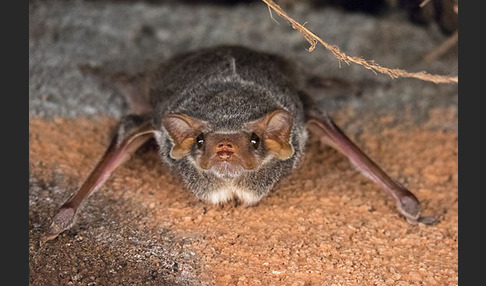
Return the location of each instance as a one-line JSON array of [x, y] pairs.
[[224, 150], [225, 145]]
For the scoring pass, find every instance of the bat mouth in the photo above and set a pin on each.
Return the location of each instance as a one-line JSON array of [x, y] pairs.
[[226, 165]]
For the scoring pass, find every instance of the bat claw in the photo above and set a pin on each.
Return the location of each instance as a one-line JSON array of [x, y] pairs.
[[427, 220], [48, 236], [61, 222], [409, 206]]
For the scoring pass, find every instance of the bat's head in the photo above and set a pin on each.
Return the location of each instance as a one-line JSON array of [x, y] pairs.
[[229, 154]]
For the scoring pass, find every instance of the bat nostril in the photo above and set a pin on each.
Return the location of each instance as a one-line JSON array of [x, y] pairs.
[[225, 145]]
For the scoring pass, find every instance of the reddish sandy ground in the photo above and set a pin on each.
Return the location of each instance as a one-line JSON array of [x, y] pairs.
[[326, 224]]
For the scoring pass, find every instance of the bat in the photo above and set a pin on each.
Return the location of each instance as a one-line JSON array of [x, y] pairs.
[[231, 122]]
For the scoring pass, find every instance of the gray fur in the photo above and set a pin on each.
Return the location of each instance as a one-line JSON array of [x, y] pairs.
[[228, 86]]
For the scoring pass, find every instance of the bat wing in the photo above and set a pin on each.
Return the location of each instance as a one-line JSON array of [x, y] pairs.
[[133, 87], [329, 133], [133, 132]]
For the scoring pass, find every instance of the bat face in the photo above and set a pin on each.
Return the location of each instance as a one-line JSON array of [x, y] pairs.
[[229, 155]]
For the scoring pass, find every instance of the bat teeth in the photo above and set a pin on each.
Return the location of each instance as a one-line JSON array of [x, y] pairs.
[[224, 155]]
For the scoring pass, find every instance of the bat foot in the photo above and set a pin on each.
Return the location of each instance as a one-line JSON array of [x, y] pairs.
[[61, 222], [409, 206]]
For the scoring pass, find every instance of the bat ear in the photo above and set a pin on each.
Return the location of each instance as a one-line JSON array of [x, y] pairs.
[[182, 129], [276, 127]]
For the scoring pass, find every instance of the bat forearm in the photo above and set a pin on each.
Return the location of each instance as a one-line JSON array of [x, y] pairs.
[[117, 153], [407, 204]]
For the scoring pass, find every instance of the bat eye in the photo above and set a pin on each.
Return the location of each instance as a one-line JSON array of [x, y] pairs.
[[254, 140], [200, 140]]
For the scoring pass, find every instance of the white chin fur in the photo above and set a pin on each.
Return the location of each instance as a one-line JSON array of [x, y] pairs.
[[228, 193]]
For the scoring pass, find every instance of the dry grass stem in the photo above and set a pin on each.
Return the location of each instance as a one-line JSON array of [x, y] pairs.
[[424, 3], [442, 48], [342, 57]]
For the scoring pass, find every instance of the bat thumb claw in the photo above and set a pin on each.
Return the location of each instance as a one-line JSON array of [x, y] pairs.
[[61, 222], [409, 206]]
